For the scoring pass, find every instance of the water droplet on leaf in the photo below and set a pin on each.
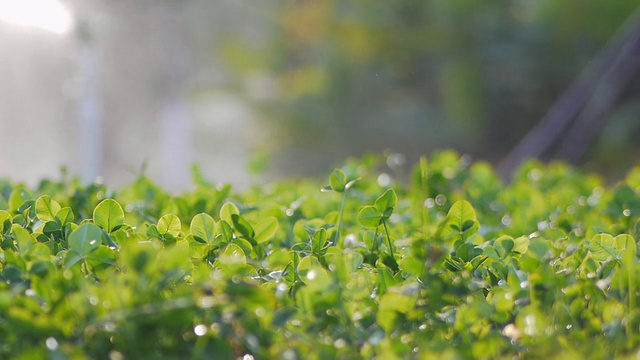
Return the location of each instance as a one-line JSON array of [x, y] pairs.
[[200, 330]]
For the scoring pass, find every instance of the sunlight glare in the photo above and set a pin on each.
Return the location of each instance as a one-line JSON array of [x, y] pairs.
[[49, 15]]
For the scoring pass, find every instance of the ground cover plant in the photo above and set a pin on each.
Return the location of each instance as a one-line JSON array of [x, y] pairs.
[[453, 263]]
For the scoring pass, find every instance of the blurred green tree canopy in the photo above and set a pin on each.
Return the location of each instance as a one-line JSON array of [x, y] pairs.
[[422, 74]]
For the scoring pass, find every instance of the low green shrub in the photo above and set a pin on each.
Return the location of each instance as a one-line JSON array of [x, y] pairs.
[[453, 263]]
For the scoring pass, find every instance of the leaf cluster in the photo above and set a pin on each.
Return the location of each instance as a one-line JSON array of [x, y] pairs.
[[455, 264]]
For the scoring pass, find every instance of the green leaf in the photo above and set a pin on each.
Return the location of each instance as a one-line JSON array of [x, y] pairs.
[[85, 239], [23, 239], [5, 221], [521, 244], [152, 231], [385, 279], [232, 255], [307, 263], [504, 245], [602, 247], [52, 228], [319, 240], [71, 258], [338, 181], [391, 304], [227, 210], [101, 258], [169, 224], [491, 252], [265, 229], [203, 228], [353, 260], [289, 273], [64, 216], [625, 243], [108, 215], [466, 252], [369, 217], [16, 199], [46, 208], [386, 202], [538, 248], [242, 226], [460, 222], [226, 230], [317, 279]]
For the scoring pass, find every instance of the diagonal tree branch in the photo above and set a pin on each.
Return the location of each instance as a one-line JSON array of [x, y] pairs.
[[594, 116], [560, 116]]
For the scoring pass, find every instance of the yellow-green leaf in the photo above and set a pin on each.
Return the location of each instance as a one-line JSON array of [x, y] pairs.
[[108, 215]]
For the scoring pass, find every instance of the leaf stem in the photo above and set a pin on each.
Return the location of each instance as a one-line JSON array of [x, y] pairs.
[[384, 223], [344, 202], [631, 283]]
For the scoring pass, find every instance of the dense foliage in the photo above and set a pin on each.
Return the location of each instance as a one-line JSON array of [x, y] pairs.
[[457, 264]]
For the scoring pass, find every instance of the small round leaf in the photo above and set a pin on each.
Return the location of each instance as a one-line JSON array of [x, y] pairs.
[[85, 239], [369, 217], [108, 215]]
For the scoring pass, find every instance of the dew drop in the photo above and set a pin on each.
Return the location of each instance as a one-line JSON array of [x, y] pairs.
[[449, 173], [206, 302], [289, 355], [534, 175], [511, 331], [93, 242], [200, 330], [429, 203], [441, 200], [115, 355], [350, 241], [395, 160], [466, 160], [311, 275], [357, 316], [626, 212], [52, 344], [384, 180]]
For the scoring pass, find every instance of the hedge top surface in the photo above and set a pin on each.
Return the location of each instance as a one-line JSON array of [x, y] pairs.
[[456, 264]]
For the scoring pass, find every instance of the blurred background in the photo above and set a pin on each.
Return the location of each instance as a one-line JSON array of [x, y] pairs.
[[255, 90]]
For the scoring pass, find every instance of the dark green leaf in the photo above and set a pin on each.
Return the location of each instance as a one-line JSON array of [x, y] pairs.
[[85, 239]]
